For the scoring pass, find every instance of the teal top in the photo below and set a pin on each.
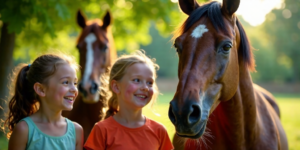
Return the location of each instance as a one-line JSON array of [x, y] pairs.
[[39, 140]]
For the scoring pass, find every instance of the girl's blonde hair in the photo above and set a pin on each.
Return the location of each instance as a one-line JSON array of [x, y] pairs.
[[24, 101], [118, 70]]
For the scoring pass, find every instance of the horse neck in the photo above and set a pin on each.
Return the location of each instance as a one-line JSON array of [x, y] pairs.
[[246, 95], [237, 116]]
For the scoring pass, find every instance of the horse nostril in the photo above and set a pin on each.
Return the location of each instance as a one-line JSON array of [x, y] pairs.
[[81, 89], [172, 115], [195, 115], [94, 88]]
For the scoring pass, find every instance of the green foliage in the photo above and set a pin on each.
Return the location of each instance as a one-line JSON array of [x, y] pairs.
[[268, 69], [273, 64], [38, 22], [282, 28], [50, 25], [162, 50]]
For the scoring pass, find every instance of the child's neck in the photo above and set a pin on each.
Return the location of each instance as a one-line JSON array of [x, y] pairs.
[[130, 118], [50, 123], [48, 116]]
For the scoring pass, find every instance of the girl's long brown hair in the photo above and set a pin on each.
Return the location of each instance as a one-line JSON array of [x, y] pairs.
[[24, 101]]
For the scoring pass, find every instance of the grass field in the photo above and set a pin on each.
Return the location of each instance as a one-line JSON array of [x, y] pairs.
[[289, 106]]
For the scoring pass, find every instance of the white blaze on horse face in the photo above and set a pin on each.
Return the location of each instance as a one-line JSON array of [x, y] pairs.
[[89, 39], [199, 31]]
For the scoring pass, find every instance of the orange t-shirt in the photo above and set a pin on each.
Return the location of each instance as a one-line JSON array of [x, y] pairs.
[[110, 135]]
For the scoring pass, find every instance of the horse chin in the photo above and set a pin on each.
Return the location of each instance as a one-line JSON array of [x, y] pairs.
[[90, 99], [197, 135]]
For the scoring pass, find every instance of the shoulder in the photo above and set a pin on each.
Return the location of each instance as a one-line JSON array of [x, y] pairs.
[[109, 122], [155, 124], [79, 134], [21, 128], [77, 126], [105, 126], [162, 134], [78, 129], [19, 136]]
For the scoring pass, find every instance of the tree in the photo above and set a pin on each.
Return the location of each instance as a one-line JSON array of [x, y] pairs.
[[268, 69], [282, 27], [161, 48], [33, 27]]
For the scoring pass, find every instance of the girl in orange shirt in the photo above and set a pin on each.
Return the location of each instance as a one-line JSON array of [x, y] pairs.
[[132, 83]]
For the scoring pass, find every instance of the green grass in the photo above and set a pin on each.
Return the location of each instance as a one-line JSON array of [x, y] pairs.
[[289, 106], [290, 118]]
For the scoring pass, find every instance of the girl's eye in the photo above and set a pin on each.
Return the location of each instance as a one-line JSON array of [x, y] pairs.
[[66, 82], [136, 80], [150, 83], [75, 83]]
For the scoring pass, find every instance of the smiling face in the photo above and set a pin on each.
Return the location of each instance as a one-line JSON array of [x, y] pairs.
[[135, 89], [61, 89]]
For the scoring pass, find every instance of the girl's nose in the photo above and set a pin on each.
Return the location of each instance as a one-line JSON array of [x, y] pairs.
[[74, 89], [145, 87]]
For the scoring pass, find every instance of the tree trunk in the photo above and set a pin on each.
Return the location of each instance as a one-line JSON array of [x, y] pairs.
[[7, 43]]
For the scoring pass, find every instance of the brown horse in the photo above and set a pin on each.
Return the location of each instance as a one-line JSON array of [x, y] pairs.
[[216, 104], [96, 49]]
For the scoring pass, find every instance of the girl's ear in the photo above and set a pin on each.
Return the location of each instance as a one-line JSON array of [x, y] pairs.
[[39, 89], [114, 86]]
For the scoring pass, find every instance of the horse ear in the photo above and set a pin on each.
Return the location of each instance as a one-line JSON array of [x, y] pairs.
[[230, 6], [188, 6], [80, 19], [106, 20]]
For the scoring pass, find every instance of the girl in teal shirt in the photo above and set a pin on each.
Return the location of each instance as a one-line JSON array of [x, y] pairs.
[[40, 92]]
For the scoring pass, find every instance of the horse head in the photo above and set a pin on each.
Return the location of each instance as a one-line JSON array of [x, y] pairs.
[[211, 46], [95, 45]]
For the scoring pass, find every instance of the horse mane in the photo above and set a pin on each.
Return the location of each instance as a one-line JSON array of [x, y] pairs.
[[213, 11], [245, 47]]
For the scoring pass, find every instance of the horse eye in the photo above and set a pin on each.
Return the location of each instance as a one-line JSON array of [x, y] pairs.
[[227, 47], [104, 48], [174, 45], [178, 48]]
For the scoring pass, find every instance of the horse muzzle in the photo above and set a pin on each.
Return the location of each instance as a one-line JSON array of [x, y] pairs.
[[89, 92], [187, 119]]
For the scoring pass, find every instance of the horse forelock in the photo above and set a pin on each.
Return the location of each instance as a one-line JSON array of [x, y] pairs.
[[92, 27], [213, 11], [95, 21]]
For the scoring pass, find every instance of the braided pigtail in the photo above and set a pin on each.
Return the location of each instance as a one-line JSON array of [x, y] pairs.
[[113, 106]]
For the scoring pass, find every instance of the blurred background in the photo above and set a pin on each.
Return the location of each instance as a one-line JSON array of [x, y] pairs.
[[32, 27]]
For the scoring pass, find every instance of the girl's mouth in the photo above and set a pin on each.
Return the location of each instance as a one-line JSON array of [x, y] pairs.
[[69, 99], [141, 96]]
